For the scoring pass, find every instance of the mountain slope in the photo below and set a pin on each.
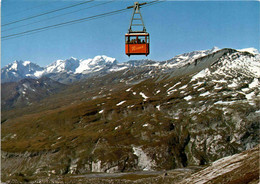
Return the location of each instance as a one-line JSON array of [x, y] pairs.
[[188, 58], [27, 91], [192, 115]]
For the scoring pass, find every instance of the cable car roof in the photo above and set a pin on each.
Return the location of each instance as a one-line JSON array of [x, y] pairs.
[[137, 34]]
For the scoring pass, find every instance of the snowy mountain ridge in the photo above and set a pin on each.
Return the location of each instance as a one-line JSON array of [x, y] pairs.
[[22, 69], [188, 58], [23, 66], [74, 65], [100, 64], [250, 50]]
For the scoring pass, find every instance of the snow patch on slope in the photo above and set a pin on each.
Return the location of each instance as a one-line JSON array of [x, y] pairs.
[[144, 162], [144, 96], [120, 103], [254, 83], [201, 74]]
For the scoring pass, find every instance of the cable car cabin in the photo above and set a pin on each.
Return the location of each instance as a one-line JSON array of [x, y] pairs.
[[137, 43]]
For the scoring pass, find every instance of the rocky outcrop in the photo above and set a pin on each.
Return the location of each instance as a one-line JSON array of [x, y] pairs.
[[144, 162], [238, 168]]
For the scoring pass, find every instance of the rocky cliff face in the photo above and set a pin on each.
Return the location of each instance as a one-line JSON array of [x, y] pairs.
[[193, 115], [238, 168]]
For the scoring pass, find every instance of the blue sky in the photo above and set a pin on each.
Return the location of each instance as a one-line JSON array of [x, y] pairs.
[[175, 27]]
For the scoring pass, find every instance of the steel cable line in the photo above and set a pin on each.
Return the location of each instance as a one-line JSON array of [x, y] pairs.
[[34, 7], [47, 13], [154, 2], [71, 22], [58, 26], [57, 16], [65, 23]]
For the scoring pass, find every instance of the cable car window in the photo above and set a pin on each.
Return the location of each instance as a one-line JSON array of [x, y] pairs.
[[141, 39], [131, 39]]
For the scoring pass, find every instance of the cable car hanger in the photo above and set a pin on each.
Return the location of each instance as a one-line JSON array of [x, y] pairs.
[[136, 11], [136, 41]]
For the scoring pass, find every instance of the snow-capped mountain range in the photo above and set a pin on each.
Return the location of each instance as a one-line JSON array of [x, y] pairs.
[[22, 69], [100, 64], [74, 65]]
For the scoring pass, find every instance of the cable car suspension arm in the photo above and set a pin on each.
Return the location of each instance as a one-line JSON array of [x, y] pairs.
[[136, 10]]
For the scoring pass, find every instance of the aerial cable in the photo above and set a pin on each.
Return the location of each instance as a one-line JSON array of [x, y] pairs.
[[153, 2], [47, 13], [57, 16], [69, 22], [58, 26], [34, 7]]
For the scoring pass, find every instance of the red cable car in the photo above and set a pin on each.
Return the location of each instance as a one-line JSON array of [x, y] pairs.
[[137, 42]]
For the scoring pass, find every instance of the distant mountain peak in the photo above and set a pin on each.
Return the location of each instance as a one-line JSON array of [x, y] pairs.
[[102, 59], [60, 66], [25, 63], [73, 58], [214, 49], [14, 66], [18, 70]]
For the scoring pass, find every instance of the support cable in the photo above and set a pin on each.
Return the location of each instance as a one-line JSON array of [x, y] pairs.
[[35, 16], [34, 7], [56, 16]]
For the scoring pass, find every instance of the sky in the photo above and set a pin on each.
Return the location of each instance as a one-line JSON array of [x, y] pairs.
[[175, 27]]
